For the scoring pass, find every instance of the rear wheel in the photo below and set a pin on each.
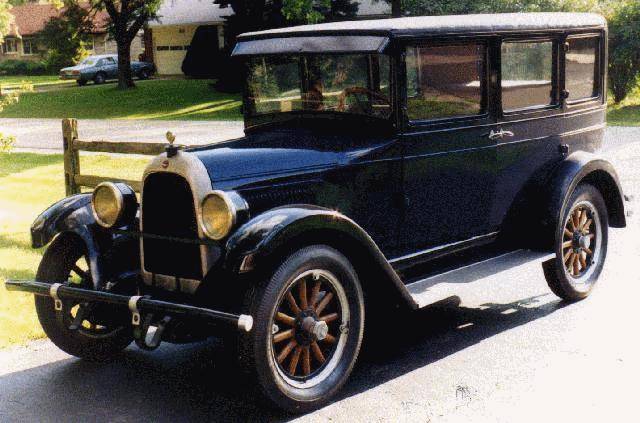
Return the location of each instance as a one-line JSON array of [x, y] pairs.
[[309, 321], [100, 332], [81, 82], [581, 244], [100, 78], [144, 74]]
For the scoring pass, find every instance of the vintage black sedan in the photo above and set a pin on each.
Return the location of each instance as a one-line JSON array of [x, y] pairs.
[[381, 160]]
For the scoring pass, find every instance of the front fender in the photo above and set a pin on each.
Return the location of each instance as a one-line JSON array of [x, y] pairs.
[[72, 215], [281, 229], [585, 167]]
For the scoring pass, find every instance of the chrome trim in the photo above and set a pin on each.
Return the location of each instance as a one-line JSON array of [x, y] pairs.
[[193, 171], [119, 202], [245, 322], [441, 247]]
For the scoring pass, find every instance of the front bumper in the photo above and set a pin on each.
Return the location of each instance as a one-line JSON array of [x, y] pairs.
[[137, 305], [70, 76]]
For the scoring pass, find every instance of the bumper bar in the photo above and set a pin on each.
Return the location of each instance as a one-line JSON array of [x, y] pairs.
[[242, 322]]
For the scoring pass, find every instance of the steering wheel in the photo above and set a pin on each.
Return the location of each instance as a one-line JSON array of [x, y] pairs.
[[358, 90]]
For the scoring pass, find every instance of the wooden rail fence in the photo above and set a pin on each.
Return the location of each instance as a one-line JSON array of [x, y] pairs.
[[72, 146]]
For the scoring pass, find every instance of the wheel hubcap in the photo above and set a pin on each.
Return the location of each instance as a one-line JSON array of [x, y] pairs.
[[307, 339]]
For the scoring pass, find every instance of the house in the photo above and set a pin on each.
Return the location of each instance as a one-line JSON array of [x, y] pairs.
[[179, 21], [29, 19]]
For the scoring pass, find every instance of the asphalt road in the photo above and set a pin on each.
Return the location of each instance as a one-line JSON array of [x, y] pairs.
[[507, 351]]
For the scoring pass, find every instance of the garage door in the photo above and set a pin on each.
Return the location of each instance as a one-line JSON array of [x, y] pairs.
[[169, 59]]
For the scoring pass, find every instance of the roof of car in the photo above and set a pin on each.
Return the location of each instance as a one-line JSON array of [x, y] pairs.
[[442, 25]]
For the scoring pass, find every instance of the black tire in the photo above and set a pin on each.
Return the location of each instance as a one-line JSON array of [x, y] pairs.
[[144, 74], [100, 78], [81, 82], [92, 344], [580, 257], [258, 348]]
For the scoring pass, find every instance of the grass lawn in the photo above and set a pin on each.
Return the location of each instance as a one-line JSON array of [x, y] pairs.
[[10, 81], [29, 183], [154, 99], [626, 113]]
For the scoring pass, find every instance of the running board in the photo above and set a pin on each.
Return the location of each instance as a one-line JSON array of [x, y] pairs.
[[444, 285]]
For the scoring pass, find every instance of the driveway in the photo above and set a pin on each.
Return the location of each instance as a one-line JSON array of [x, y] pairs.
[[507, 351], [45, 135]]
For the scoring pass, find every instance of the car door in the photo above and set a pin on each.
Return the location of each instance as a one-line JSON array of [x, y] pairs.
[[110, 67], [449, 160]]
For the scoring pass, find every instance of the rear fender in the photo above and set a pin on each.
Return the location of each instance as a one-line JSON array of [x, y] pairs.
[[271, 236], [585, 167]]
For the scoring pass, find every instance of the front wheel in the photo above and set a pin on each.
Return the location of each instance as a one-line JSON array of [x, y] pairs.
[[100, 78], [144, 74], [309, 323], [581, 244], [99, 331]]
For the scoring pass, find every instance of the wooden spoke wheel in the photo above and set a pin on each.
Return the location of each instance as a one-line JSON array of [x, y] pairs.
[[94, 332], [310, 326], [581, 245], [581, 240]]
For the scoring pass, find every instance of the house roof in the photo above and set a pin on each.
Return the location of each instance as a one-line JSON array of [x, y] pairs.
[[31, 18], [443, 25], [190, 12]]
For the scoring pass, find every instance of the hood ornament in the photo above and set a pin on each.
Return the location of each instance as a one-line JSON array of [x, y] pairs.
[[171, 149]]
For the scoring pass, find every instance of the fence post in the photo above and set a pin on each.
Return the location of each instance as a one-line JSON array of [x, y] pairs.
[[71, 156]]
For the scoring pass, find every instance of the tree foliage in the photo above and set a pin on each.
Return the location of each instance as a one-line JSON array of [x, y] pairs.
[[624, 49], [66, 36]]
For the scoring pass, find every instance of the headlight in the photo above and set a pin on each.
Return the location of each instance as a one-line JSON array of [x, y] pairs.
[[218, 215], [113, 204]]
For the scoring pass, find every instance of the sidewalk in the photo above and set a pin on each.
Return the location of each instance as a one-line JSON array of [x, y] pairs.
[[46, 134]]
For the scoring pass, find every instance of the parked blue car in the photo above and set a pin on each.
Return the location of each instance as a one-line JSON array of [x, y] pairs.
[[100, 68]]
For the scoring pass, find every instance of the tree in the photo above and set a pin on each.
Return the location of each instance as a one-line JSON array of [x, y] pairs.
[[66, 36], [126, 18], [624, 49]]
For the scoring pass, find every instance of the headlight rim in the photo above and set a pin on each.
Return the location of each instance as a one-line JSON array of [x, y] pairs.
[[119, 203], [232, 214]]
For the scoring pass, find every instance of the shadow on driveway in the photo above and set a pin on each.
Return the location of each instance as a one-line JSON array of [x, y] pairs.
[[201, 382]]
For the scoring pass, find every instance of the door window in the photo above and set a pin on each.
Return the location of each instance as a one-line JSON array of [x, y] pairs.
[[582, 68], [445, 81], [527, 75]]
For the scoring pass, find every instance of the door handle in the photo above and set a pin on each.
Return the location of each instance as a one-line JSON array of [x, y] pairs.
[[498, 135]]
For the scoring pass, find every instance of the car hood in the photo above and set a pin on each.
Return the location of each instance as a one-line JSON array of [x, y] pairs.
[[278, 154], [76, 67]]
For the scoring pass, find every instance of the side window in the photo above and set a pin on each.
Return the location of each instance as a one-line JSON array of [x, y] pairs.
[[109, 61], [582, 68], [100, 62], [527, 75], [445, 81]]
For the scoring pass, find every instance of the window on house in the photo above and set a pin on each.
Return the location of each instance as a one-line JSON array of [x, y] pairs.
[[28, 46], [527, 75], [582, 68], [90, 44], [10, 45], [445, 81], [162, 48]]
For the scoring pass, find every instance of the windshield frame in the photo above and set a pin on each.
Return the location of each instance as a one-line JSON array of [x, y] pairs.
[[262, 119]]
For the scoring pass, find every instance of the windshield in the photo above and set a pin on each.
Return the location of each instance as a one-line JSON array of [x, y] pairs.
[[349, 83], [88, 62]]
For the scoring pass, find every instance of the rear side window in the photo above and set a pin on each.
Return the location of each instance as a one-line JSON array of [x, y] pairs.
[[582, 68], [445, 81], [527, 75]]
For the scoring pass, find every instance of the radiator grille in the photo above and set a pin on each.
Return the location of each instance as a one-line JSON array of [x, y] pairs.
[[168, 210]]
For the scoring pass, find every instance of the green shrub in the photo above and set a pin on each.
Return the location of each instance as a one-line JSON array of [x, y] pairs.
[[624, 49], [22, 67]]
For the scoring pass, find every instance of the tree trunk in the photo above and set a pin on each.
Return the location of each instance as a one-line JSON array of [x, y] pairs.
[[396, 8], [125, 77]]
